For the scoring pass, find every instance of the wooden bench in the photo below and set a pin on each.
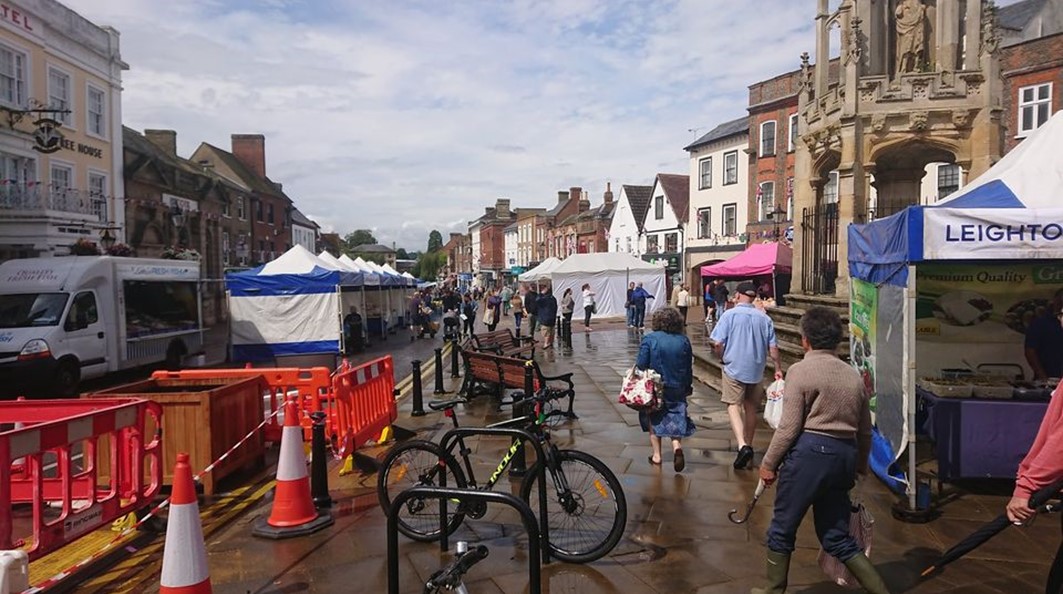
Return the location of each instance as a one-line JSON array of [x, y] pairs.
[[491, 373], [503, 342]]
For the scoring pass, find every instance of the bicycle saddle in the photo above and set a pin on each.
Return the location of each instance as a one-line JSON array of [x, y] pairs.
[[446, 404]]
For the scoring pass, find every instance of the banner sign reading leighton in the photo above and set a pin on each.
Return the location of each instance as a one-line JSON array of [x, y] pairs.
[[984, 233]]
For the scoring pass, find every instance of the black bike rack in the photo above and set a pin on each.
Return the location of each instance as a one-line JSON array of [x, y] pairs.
[[444, 493], [447, 443]]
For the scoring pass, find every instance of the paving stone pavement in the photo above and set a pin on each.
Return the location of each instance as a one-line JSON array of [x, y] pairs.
[[678, 538]]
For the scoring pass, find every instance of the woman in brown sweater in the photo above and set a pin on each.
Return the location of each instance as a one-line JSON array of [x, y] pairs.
[[822, 442]]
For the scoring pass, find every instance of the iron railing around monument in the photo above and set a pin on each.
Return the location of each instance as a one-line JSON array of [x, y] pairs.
[[819, 249]]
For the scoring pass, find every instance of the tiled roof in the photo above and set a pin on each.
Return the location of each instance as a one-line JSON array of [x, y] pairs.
[[1017, 16], [677, 189], [138, 143], [262, 185], [732, 128], [298, 218], [638, 198], [372, 248]]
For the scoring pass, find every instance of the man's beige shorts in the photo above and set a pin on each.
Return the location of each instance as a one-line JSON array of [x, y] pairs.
[[734, 391]]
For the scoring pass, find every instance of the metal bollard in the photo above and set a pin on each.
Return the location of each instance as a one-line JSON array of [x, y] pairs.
[[519, 465], [454, 348], [439, 373], [418, 397], [318, 463]]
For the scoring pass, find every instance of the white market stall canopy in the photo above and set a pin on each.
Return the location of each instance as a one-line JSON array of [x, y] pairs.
[[540, 272], [608, 274]]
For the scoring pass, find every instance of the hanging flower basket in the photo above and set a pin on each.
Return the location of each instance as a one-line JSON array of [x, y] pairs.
[[181, 253], [84, 247], [121, 250]]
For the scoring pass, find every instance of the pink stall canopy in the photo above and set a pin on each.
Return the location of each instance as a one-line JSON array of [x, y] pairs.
[[759, 259]]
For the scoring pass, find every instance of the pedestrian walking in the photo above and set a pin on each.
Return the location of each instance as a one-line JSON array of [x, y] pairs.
[[667, 351], [673, 300], [710, 301], [530, 298], [589, 307], [629, 307], [413, 312], [820, 446], [517, 304], [468, 312], [743, 338], [1042, 466], [638, 302], [546, 312], [492, 310], [505, 295], [682, 301], [568, 306], [720, 291]]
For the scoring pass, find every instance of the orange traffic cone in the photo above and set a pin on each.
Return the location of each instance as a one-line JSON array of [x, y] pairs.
[[293, 511], [184, 558]]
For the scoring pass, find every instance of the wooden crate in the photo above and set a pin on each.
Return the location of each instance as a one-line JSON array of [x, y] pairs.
[[204, 417]]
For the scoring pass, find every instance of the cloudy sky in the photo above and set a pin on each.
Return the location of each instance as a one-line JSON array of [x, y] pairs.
[[408, 115]]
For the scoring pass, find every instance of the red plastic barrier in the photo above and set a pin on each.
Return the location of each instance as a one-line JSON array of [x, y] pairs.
[[313, 386], [90, 459], [365, 403]]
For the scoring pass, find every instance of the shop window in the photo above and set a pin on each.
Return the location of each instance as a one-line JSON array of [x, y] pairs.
[[651, 244], [671, 243], [658, 207]]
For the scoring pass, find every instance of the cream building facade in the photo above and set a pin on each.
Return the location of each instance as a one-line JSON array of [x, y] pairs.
[[719, 205], [60, 130]]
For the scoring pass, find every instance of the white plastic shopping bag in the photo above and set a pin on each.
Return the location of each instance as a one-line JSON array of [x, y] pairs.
[[773, 409]]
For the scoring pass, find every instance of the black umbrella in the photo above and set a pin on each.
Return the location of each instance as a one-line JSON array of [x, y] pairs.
[[989, 530]]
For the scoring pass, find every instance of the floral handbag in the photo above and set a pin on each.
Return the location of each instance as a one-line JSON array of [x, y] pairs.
[[639, 391]]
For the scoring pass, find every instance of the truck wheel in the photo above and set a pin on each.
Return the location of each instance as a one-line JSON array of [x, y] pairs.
[[174, 353], [67, 377]]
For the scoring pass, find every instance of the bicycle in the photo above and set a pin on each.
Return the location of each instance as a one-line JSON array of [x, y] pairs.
[[586, 515], [450, 578]]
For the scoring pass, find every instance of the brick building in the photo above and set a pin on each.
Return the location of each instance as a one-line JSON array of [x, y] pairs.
[[490, 261], [773, 139], [1033, 85], [173, 202], [554, 243], [269, 208], [586, 231]]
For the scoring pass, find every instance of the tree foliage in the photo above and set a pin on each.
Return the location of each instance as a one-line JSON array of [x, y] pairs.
[[358, 237], [401, 254], [429, 264], [435, 240]]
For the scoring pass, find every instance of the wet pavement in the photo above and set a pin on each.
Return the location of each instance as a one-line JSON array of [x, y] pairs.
[[678, 537]]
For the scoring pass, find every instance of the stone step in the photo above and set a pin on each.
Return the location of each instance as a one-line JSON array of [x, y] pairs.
[[802, 302]]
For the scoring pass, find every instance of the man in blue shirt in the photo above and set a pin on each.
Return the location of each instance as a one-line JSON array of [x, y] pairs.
[[743, 338], [638, 301]]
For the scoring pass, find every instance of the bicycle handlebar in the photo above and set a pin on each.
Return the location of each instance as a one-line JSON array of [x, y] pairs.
[[542, 396], [450, 576]]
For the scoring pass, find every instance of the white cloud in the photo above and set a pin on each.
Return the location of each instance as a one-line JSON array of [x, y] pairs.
[[412, 115]]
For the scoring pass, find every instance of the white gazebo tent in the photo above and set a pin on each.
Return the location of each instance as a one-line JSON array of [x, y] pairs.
[[608, 275], [540, 272]]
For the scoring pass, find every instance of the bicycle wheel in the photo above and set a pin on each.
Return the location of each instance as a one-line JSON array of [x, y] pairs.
[[588, 521], [414, 464]]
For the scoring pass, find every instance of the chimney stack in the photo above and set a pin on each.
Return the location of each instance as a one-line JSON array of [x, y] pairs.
[[561, 196], [250, 149], [608, 192], [502, 207], [575, 193], [164, 140]]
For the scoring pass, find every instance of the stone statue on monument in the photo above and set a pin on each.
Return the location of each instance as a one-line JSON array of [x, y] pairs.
[[911, 35]]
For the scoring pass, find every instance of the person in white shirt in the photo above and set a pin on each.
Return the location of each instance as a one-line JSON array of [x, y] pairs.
[[682, 301], [588, 306]]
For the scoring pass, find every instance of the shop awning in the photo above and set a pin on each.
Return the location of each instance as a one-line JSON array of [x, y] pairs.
[[758, 259]]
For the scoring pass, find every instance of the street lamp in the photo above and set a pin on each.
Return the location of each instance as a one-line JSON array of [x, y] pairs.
[[775, 216]]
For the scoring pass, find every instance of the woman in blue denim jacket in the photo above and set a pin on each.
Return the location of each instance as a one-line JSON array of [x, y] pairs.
[[667, 351]]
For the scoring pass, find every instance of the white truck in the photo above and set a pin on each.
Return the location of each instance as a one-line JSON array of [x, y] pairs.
[[66, 319]]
